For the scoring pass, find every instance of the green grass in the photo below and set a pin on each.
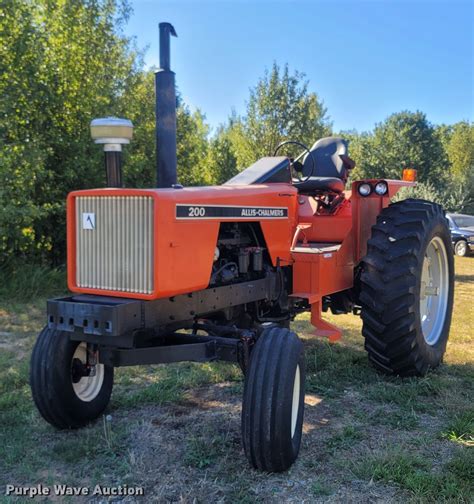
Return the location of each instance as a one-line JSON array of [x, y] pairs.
[[175, 428], [414, 473], [321, 489], [461, 428], [168, 384], [345, 438], [204, 450], [394, 419], [23, 282], [413, 394]]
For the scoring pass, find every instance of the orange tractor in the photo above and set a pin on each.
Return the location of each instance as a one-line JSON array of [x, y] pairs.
[[200, 274]]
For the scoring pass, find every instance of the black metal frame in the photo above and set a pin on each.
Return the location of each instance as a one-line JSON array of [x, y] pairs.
[[118, 325], [110, 320], [185, 347]]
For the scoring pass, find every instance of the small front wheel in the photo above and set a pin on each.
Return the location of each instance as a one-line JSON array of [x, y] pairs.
[[273, 402], [69, 389]]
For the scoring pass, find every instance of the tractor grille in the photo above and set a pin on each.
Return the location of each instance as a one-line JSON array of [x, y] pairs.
[[114, 243]]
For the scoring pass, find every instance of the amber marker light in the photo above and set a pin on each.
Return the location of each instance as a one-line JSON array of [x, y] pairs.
[[409, 175]]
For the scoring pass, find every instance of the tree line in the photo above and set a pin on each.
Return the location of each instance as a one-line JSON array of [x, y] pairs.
[[63, 63]]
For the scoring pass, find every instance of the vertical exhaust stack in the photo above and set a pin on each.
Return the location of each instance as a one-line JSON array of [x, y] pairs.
[[165, 113]]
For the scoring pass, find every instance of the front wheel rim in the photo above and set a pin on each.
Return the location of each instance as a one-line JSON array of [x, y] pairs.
[[87, 388], [434, 290], [295, 406]]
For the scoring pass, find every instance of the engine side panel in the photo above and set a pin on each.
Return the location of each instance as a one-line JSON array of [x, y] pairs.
[[186, 225]]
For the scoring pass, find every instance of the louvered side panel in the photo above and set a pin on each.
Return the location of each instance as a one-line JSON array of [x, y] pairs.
[[114, 243]]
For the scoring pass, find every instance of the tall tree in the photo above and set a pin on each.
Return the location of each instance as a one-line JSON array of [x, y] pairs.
[[460, 151], [404, 139], [192, 146], [63, 63], [280, 108], [222, 158]]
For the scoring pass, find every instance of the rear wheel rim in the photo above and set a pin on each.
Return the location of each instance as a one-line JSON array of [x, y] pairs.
[[88, 387], [295, 406], [434, 290]]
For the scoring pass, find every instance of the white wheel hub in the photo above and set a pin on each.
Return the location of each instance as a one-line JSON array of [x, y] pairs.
[[88, 387], [296, 400], [434, 290]]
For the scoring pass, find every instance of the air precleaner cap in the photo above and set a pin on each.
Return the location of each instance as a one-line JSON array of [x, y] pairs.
[[111, 130]]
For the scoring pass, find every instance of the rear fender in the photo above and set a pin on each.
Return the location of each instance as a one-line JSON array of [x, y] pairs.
[[365, 210]]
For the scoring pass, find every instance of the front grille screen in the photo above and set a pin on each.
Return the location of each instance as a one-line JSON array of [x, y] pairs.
[[114, 243]]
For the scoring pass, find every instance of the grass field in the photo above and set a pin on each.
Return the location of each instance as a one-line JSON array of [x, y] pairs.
[[175, 430]]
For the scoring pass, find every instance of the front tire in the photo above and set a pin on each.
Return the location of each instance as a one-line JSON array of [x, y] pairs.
[[64, 397], [460, 249], [407, 287], [273, 401]]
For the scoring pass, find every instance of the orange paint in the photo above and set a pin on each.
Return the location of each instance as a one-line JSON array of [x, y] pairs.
[[184, 248]]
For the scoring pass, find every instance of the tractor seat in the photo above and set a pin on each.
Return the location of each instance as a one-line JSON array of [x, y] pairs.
[[320, 184], [332, 166]]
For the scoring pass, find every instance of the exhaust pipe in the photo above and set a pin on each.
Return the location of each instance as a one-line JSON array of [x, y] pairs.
[[165, 113]]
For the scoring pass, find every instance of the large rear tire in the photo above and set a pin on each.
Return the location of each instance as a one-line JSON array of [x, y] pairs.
[[407, 287], [64, 397], [273, 402]]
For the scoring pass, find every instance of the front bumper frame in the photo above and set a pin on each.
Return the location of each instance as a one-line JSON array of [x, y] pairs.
[[115, 321]]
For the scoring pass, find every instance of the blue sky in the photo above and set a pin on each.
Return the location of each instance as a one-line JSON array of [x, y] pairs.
[[364, 59]]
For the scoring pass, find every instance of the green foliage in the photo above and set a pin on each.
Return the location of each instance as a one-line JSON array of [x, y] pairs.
[[405, 139], [28, 281], [222, 156], [192, 148], [443, 157], [345, 438], [280, 108], [137, 104], [62, 63], [460, 150], [453, 196]]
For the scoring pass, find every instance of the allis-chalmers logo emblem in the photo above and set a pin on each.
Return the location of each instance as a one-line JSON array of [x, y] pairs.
[[88, 220]]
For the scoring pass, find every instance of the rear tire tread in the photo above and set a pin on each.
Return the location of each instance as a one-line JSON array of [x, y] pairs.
[[389, 281]]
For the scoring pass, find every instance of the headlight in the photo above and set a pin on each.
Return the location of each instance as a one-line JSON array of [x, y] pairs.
[[381, 188], [364, 189]]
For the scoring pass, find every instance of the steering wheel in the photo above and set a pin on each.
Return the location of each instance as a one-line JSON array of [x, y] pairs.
[[292, 164]]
